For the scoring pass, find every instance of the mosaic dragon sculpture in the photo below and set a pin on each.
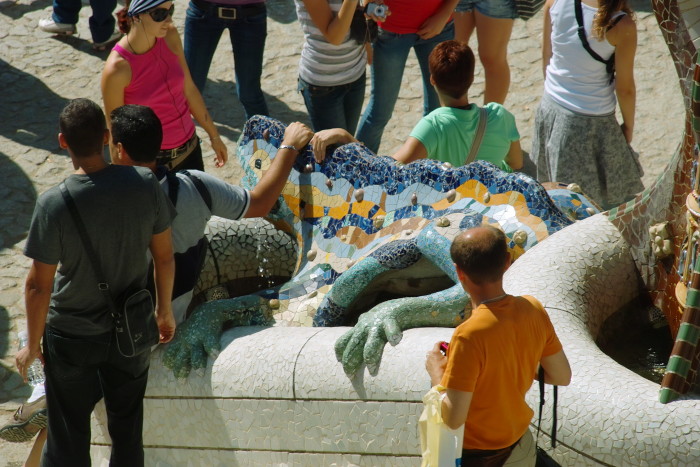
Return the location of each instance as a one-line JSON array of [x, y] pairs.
[[367, 229]]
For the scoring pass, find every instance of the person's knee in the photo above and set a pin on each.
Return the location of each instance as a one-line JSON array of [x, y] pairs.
[[493, 59]]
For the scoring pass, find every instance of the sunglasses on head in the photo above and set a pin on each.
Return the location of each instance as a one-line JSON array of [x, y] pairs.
[[160, 14]]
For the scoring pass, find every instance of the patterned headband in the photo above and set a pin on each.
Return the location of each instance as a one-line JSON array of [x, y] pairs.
[[139, 6]]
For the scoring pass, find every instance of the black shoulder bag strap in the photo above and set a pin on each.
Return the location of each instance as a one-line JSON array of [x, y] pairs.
[[478, 137], [173, 187], [102, 284], [540, 379], [201, 187], [609, 63]]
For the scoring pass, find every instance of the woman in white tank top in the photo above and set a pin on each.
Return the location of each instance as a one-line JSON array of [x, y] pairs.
[[577, 138]]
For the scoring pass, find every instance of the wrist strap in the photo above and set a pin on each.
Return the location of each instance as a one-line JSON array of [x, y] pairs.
[[102, 284]]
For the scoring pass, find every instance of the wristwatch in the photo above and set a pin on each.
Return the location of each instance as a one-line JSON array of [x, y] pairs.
[[289, 146]]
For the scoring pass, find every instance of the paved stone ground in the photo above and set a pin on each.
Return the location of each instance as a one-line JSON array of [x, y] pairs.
[[38, 73]]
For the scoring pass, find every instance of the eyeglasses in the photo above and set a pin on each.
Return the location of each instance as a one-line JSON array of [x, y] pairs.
[[160, 14]]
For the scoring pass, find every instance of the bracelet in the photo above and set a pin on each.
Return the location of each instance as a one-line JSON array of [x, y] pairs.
[[289, 146], [215, 138]]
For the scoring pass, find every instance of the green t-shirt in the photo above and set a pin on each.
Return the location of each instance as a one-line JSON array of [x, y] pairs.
[[447, 134]]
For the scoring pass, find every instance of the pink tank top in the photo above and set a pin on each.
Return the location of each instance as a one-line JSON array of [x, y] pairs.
[[157, 80]]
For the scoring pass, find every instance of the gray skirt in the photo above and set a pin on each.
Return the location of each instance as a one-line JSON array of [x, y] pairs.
[[588, 150]]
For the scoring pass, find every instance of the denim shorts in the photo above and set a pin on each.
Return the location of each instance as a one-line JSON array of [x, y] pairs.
[[499, 9]]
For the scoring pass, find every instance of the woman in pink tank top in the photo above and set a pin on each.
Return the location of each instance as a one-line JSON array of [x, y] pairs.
[[147, 67]]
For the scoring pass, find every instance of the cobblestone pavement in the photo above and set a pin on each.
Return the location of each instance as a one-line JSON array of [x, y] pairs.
[[39, 73]]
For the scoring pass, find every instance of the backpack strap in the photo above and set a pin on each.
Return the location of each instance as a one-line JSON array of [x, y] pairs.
[[201, 187], [173, 186], [609, 63], [478, 137]]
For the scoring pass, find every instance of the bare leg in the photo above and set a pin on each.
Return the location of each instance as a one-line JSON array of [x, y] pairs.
[[34, 458], [493, 36], [464, 25]]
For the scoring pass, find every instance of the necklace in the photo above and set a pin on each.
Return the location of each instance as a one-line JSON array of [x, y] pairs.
[[131, 46], [494, 299]]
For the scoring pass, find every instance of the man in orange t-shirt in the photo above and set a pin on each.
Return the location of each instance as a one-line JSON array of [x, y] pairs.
[[494, 355]]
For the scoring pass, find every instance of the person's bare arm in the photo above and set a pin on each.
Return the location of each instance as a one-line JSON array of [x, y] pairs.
[[116, 76], [37, 295], [333, 27], [434, 24], [455, 407], [164, 274], [455, 404], [268, 189], [624, 37], [546, 36], [198, 108], [411, 150], [556, 369], [514, 158]]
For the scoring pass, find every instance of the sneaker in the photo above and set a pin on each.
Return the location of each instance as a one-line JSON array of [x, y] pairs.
[[29, 419], [49, 25], [101, 46]]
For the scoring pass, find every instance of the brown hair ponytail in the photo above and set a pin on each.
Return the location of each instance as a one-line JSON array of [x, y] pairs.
[[603, 18], [124, 21]]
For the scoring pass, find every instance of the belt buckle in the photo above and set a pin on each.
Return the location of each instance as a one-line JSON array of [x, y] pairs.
[[227, 13]]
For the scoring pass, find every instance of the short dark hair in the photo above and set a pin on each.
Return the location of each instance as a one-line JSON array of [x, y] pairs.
[[139, 130], [83, 125], [483, 259], [451, 65]]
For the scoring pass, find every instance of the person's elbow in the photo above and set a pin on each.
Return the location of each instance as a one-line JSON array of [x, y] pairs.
[[561, 378], [454, 423], [514, 158], [557, 369]]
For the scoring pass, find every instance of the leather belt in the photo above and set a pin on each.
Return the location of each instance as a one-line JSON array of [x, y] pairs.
[[172, 157], [227, 11]]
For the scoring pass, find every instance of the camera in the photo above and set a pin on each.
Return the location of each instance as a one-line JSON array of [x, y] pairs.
[[375, 9], [443, 348]]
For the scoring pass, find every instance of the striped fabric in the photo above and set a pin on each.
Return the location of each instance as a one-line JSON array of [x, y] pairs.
[[325, 64], [528, 8], [139, 6]]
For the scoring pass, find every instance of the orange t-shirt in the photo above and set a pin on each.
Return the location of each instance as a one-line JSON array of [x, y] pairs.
[[494, 355]]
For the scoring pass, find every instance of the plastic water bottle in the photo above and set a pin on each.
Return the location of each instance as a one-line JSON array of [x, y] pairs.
[[35, 372]]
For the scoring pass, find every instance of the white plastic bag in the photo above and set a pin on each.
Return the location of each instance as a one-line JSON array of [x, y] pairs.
[[441, 446]]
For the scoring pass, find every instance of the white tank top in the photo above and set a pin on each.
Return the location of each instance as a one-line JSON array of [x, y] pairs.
[[574, 79]]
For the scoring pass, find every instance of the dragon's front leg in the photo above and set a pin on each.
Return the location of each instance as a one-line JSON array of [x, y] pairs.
[[199, 336], [387, 321]]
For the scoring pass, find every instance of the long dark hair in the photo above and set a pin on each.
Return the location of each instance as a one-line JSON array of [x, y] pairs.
[[603, 18]]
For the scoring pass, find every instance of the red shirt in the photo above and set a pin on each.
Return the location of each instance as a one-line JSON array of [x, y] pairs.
[[407, 16]]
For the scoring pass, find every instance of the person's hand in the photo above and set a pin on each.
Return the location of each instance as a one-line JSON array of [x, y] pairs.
[[220, 149], [25, 357], [166, 325], [435, 363], [378, 19], [324, 138], [627, 131], [298, 135], [431, 27]]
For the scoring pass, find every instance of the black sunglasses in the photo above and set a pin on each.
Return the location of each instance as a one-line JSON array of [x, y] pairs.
[[160, 14]]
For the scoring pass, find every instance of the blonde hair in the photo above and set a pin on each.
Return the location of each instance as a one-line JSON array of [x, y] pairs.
[[602, 21]]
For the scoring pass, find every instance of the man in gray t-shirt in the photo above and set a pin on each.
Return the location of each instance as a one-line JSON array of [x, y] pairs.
[[125, 214], [136, 137]]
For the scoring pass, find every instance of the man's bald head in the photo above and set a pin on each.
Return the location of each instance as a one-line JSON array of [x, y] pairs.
[[481, 253]]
